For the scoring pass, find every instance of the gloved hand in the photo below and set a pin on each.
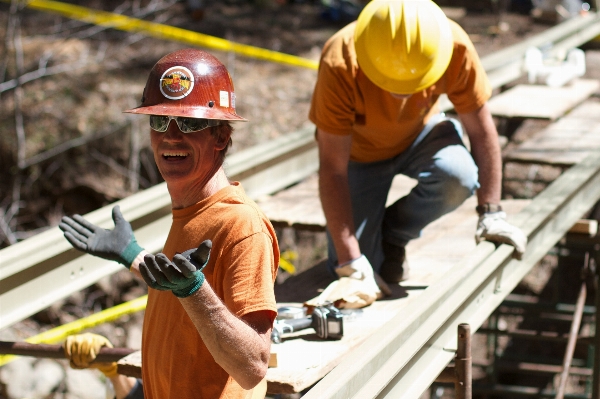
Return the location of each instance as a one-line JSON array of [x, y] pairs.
[[118, 244], [82, 349], [492, 226], [183, 276], [361, 269]]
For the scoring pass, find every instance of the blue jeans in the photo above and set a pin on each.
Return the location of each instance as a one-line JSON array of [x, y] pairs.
[[446, 176]]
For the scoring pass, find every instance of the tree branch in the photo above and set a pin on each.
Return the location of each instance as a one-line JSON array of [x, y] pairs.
[[67, 145], [43, 70], [114, 165]]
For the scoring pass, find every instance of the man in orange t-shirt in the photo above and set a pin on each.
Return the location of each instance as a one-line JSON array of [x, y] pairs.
[[375, 106], [211, 303]]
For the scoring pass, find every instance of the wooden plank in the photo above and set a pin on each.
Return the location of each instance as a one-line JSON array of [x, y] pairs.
[[131, 365], [403, 359], [539, 101], [586, 227], [564, 142], [300, 207], [304, 359], [297, 206]]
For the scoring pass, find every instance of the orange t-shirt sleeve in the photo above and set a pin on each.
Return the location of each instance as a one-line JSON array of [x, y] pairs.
[[333, 99], [248, 285], [467, 84]]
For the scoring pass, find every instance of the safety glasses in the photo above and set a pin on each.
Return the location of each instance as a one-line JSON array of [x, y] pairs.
[[160, 123]]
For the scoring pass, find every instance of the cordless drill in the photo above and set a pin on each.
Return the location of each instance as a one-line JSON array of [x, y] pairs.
[[327, 321]]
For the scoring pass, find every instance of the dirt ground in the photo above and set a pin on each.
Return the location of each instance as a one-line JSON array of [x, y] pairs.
[[73, 155]]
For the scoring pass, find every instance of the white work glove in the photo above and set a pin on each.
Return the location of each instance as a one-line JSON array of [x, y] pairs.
[[492, 226], [361, 269]]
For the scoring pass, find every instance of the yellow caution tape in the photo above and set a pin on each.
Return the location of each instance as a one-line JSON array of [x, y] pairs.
[[289, 254], [60, 333], [124, 23], [287, 266], [284, 261]]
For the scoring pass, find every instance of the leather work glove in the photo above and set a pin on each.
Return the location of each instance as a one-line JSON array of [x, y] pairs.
[[361, 269], [118, 244], [492, 226], [183, 276], [82, 349]]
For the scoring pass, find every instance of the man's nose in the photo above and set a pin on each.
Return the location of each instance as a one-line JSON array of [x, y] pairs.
[[173, 133]]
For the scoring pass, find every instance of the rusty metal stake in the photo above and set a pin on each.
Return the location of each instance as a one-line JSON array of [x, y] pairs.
[[105, 355], [596, 370], [464, 364], [574, 332], [461, 374]]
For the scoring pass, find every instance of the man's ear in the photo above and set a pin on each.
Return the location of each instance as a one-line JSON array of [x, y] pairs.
[[222, 140]]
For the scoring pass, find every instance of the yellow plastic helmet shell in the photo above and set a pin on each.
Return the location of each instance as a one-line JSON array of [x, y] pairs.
[[403, 46]]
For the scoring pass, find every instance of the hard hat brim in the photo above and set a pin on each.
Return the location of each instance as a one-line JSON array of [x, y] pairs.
[[187, 111]]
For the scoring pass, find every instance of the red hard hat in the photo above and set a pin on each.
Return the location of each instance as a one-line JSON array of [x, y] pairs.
[[190, 83]]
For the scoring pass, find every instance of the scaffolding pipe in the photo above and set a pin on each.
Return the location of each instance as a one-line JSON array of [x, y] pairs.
[[596, 371], [461, 374], [573, 333], [105, 355], [464, 365]]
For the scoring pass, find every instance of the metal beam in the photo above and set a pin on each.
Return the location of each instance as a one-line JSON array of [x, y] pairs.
[[506, 65], [404, 357], [43, 269], [577, 30]]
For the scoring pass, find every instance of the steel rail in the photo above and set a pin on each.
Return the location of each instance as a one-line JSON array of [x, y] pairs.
[[58, 352], [506, 65], [403, 358], [38, 271], [41, 270]]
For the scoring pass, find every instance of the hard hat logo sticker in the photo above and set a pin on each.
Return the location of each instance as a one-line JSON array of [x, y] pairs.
[[176, 83], [224, 99]]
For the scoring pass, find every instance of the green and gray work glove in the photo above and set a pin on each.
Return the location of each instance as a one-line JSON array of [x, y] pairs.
[[183, 276], [492, 226], [118, 244]]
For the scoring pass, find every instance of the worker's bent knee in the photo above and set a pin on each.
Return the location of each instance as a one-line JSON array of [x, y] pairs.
[[455, 166], [454, 176]]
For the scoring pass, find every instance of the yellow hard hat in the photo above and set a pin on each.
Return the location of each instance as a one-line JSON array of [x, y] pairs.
[[403, 46]]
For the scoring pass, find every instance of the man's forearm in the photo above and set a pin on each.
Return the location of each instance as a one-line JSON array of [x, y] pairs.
[[239, 349], [490, 176], [337, 207], [486, 152], [122, 385]]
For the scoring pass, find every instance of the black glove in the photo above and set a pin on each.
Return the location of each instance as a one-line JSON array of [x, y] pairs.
[[183, 276], [118, 244]]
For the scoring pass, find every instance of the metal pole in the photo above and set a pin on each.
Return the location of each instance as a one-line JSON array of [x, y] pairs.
[[105, 355], [574, 332], [596, 370], [464, 370]]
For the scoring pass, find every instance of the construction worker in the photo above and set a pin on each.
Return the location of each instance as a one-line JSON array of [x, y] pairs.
[[375, 107], [209, 316], [82, 349]]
